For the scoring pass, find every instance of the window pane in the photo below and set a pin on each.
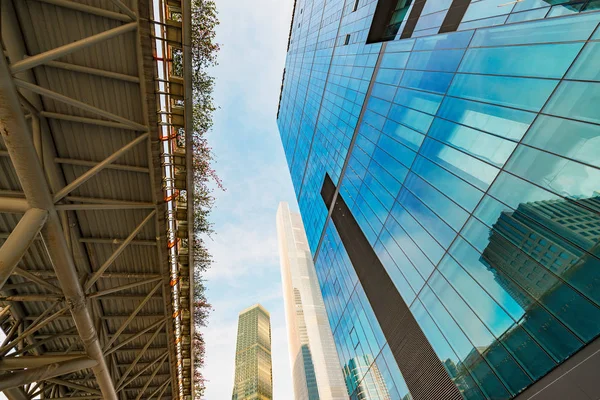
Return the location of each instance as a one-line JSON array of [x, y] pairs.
[[422, 101], [586, 65], [576, 100], [454, 40], [441, 60], [545, 61], [430, 81], [545, 31], [506, 122], [526, 93], [476, 143], [411, 118], [557, 174], [440, 204], [458, 190], [466, 167], [403, 134], [573, 139]]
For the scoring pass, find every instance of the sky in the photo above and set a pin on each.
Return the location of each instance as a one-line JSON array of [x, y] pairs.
[[251, 163]]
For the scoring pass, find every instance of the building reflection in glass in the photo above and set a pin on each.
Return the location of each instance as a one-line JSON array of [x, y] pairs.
[[364, 379], [543, 255]]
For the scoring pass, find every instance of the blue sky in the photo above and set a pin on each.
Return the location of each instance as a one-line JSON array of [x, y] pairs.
[[251, 162]]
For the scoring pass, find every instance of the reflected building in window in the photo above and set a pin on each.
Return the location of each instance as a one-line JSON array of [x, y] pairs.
[[316, 372], [365, 380], [449, 190], [253, 372]]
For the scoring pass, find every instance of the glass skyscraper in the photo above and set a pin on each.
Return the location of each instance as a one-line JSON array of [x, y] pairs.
[[316, 371], [445, 155], [253, 371]]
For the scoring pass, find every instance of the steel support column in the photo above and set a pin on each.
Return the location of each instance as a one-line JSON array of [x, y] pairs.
[[14, 130], [19, 241]]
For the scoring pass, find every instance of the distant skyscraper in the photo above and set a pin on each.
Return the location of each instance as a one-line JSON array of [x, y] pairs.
[[316, 370], [253, 375]]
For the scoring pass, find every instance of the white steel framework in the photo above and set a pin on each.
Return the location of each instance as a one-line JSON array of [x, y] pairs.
[[95, 283]]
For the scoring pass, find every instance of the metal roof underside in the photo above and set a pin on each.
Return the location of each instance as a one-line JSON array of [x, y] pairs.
[[114, 222]]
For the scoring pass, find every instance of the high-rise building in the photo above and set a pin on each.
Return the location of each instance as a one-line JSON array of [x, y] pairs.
[[253, 372], [445, 159], [316, 371]]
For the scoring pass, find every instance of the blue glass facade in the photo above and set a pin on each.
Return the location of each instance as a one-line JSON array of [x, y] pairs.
[[471, 162]]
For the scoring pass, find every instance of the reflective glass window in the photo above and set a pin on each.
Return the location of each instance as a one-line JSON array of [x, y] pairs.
[[526, 93], [422, 101], [573, 139], [545, 60], [412, 251], [399, 152], [440, 204], [405, 290], [527, 15], [466, 167], [430, 81], [390, 164], [402, 264], [389, 76], [557, 174], [467, 353], [441, 60], [486, 147], [586, 65], [421, 237], [404, 134], [576, 100], [498, 273], [454, 40], [428, 219], [382, 91], [455, 188], [394, 60], [411, 118], [544, 31], [500, 360], [502, 121], [486, 9]]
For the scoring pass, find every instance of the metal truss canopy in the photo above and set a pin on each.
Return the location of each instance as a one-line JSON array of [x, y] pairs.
[[95, 283]]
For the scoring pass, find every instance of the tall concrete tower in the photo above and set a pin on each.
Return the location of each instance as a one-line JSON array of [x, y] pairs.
[[313, 358]]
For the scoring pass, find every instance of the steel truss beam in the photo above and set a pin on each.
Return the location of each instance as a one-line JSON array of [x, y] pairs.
[[75, 386], [46, 372], [85, 163], [39, 59], [125, 9], [158, 367], [98, 167], [12, 205], [19, 240], [160, 359], [137, 335], [88, 9], [113, 257], [14, 129], [86, 120], [160, 390], [79, 104], [92, 71], [138, 357], [131, 317]]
